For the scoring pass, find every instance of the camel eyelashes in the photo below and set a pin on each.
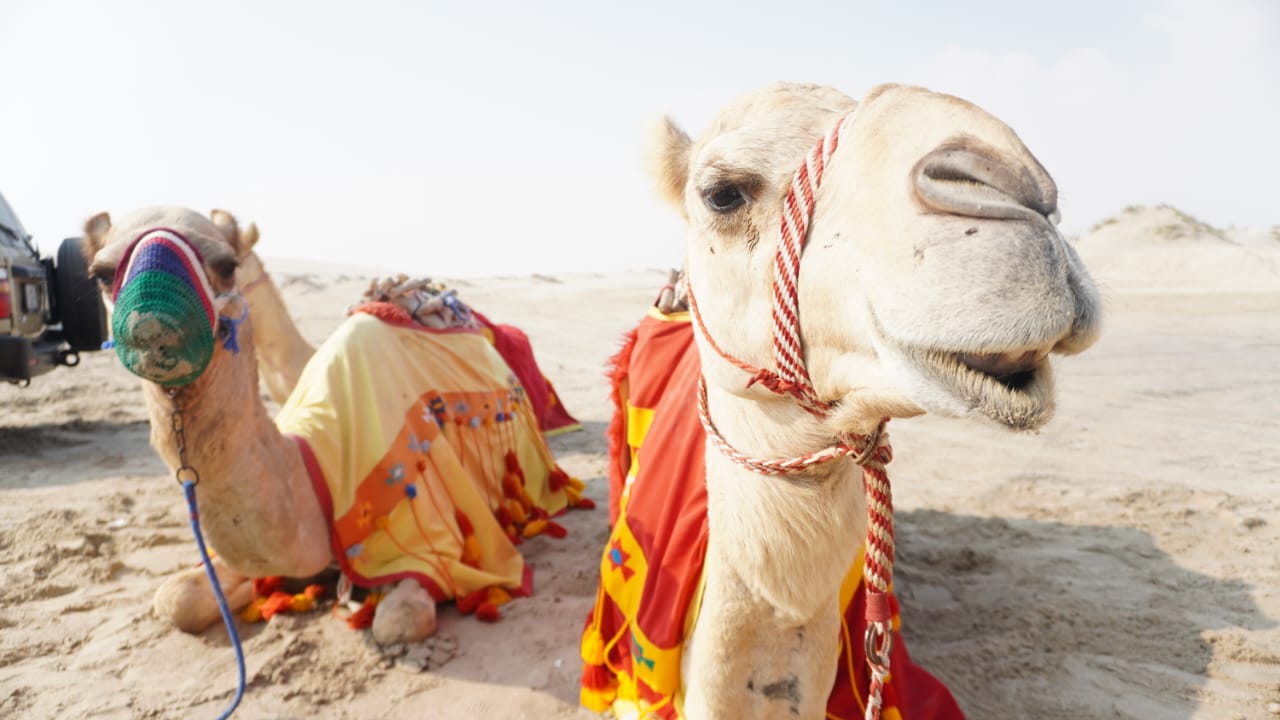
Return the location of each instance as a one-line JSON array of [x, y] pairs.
[[724, 198], [224, 267], [105, 276]]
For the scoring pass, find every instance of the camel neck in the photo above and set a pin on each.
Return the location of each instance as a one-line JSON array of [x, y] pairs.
[[823, 507], [257, 507], [282, 350]]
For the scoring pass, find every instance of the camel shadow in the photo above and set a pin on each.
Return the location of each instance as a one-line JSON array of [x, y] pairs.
[[1028, 618]]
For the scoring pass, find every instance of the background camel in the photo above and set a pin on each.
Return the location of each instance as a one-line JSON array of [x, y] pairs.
[[266, 508], [283, 351], [933, 280]]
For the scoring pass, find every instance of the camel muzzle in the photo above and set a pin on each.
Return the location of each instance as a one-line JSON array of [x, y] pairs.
[[164, 321]]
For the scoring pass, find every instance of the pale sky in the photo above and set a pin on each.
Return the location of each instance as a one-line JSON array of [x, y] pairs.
[[486, 138]]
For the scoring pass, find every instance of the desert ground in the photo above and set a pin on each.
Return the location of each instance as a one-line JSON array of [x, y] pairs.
[[1122, 563]]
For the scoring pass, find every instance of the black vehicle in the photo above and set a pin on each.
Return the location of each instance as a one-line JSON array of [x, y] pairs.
[[50, 310]]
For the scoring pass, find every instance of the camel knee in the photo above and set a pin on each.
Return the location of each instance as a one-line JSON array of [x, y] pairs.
[[406, 614], [187, 599]]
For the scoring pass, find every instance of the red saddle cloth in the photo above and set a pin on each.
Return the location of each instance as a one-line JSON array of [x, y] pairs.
[[652, 565]]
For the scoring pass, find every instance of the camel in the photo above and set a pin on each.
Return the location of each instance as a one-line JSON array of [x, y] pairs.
[[264, 507], [283, 352], [931, 278]]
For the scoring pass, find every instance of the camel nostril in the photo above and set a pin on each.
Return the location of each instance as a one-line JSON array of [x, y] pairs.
[[962, 179]]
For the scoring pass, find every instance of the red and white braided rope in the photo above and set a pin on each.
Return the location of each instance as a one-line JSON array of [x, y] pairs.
[[792, 378], [797, 213], [860, 448]]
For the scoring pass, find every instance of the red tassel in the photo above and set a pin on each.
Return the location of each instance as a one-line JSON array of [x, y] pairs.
[[596, 677], [503, 515], [585, 503], [464, 524], [557, 480], [315, 592], [539, 514], [278, 602], [265, 587], [362, 618], [512, 462], [512, 485], [488, 612], [468, 603], [556, 530]]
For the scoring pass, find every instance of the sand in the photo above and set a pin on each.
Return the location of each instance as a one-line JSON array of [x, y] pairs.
[[1122, 563]]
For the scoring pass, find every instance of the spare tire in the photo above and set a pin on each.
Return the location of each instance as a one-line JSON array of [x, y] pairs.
[[80, 308]]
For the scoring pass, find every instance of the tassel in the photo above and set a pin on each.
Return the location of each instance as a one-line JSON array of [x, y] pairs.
[[471, 550], [517, 513], [468, 603], [534, 527], [592, 647], [277, 603], [488, 612], [301, 603], [498, 596], [512, 462], [252, 612], [464, 524], [511, 485], [265, 587], [363, 618], [229, 330], [503, 515], [557, 480], [556, 530], [585, 503], [596, 677]]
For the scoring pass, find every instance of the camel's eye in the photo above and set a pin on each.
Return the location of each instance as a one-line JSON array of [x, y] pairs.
[[104, 276], [724, 198], [224, 268]]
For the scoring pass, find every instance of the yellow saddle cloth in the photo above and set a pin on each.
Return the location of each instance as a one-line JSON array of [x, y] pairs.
[[423, 448]]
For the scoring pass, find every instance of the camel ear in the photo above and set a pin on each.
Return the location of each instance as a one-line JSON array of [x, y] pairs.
[[668, 160], [227, 225], [95, 234], [249, 238]]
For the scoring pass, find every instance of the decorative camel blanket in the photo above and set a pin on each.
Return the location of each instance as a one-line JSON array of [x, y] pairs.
[[424, 449], [651, 569], [514, 347]]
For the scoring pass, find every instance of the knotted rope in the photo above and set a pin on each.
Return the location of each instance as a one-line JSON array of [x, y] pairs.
[[791, 378]]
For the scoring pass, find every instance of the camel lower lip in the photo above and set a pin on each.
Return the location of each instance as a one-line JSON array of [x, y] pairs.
[[1012, 388]]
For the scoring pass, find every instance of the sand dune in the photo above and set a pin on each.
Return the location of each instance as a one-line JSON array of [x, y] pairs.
[[1120, 564], [1163, 250]]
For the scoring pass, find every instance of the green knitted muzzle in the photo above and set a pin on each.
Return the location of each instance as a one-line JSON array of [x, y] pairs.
[[163, 324]]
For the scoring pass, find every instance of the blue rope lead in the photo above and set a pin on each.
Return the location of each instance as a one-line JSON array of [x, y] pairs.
[[189, 489]]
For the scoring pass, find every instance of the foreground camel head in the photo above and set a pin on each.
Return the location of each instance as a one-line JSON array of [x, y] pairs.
[[165, 333], [934, 278]]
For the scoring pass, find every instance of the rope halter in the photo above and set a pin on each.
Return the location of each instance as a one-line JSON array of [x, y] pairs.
[[791, 378]]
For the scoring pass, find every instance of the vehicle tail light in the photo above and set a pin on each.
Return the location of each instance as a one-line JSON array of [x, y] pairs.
[[6, 305]]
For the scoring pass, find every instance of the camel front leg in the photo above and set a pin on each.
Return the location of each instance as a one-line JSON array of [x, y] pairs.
[[187, 600], [745, 661]]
